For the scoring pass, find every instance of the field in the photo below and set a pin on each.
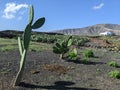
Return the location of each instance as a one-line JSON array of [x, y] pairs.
[[44, 69]]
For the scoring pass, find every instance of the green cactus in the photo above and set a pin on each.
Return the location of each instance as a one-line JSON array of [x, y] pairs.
[[24, 43], [73, 54], [62, 47]]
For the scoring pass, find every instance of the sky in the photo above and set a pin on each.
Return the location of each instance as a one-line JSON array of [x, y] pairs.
[[59, 14]]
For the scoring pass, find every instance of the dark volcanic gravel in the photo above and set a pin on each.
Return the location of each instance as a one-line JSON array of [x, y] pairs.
[[44, 70]]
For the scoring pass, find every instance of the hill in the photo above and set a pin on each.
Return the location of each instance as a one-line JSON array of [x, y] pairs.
[[92, 30], [89, 30]]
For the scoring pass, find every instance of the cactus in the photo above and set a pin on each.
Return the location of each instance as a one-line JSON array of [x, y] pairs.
[[72, 55], [62, 47], [24, 43]]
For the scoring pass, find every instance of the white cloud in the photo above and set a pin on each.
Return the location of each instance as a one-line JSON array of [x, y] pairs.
[[98, 6], [11, 9]]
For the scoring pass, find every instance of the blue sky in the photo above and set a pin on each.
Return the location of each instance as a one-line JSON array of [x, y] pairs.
[[59, 14]]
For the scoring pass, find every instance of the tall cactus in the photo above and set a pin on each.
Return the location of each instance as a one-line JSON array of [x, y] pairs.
[[24, 43]]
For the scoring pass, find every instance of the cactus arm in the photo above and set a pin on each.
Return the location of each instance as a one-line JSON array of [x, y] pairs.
[[69, 41], [38, 23], [27, 35], [23, 59], [31, 14], [20, 72], [58, 45], [75, 51], [20, 45]]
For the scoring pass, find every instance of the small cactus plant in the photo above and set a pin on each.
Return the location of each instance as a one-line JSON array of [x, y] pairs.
[[73, 54], [62, 47], [114, 74], [24, 43], [88, 53], [113, 63]]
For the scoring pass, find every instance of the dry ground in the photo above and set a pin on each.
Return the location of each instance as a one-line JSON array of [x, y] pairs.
[[44, 70]]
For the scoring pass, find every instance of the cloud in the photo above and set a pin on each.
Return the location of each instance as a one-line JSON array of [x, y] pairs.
[[98, 6], [11, 9]]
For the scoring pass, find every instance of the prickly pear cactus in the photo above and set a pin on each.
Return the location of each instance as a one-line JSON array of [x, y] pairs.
[[24, 43], [62, 47]]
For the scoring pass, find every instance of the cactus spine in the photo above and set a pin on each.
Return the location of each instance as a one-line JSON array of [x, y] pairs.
[[24, 43]]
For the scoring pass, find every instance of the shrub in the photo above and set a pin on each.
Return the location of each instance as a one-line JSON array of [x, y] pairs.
[[85, 60], [39, 39], [114, 74], [88, 53], [113, 64]]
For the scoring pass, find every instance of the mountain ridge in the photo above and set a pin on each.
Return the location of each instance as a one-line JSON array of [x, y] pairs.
[[92, 30]]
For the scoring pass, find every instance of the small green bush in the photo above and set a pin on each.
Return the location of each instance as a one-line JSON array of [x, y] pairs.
[[85, 60], [113, 64], [114, 74], [88, 53]]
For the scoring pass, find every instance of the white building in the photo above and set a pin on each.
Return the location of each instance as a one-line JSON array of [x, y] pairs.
[[107, 33]]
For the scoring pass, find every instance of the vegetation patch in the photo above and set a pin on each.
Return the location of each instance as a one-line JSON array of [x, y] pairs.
[[113, 64], [88, 53], [114, 74], [85, 60], [8, 48]]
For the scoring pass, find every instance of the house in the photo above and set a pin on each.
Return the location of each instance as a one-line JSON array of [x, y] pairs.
[[107, 33]]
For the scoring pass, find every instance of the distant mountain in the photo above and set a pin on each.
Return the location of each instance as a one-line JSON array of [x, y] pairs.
[[92, 30]]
